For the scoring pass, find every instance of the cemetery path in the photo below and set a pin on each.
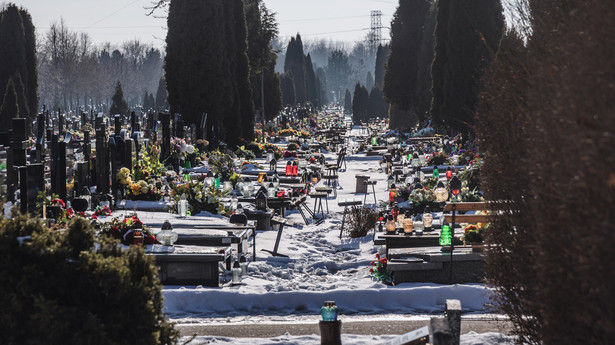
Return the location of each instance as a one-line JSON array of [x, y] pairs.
[[274, 327]]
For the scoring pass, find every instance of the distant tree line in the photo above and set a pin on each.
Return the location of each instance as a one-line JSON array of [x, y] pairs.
[[76, 74]]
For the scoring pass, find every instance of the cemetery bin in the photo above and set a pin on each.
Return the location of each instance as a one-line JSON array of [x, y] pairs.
[[361, 187]]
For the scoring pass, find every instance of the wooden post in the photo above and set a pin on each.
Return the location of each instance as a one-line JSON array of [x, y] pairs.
[[330, 332]]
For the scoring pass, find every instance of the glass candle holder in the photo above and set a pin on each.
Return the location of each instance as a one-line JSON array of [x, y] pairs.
[[329, 311], [418, 228], [408, 225]]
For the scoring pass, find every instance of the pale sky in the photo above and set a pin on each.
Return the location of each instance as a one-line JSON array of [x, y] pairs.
[[118, 21]]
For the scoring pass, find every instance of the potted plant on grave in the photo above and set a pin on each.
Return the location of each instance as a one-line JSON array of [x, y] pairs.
[[380, 272], [473, 235]]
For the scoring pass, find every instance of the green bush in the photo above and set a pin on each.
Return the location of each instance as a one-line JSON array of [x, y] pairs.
[[71, 287]]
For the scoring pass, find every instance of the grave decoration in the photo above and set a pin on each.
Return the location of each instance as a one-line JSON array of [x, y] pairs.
[[224, 165], [201, 196], [129, 231]]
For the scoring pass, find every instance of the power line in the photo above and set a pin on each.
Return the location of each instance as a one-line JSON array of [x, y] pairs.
[[320, 19], [100, 20]]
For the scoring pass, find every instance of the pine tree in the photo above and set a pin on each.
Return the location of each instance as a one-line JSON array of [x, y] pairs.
[[9, 108], [118, 103]]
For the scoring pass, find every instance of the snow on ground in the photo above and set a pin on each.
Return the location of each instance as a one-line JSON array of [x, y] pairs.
[[320, 267], [471, 338]]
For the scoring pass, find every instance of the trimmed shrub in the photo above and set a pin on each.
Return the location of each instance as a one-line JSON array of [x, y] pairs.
[[71, 287]]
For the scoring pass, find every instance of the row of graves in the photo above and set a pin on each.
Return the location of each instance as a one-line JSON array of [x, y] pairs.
[[71, 168], [93, 166], [432, 227]]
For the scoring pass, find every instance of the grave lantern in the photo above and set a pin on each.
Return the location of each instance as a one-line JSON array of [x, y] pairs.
[[167, 236], [441, 192], [276, 181], [436, 172], [243, 263], [273, 164], [269, 156], [392, 193], [182, 206], [449, 173], [427, 218], [455, 185], [210, 179], [261, 201], [295, 168], [236, 274], [289, 169], [270, 190], [234, 201], [390, 181]]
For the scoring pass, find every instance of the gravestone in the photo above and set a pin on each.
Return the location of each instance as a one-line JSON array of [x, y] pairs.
[[102, 160], [60, 123], [35, 183], [133, 122], [178, 125], [17, 156], [117, 121], [166, 135], [40, 137]]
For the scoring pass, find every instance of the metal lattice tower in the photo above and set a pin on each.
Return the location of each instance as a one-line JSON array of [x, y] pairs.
[[375, 33]]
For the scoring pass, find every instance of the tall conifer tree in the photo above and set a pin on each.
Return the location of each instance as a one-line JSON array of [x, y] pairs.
[[400, 78]]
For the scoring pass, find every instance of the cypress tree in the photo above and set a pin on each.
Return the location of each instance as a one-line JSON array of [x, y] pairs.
[[118, 103], [369, 81], [161, 95], [400, 78], [322, 84], [9, 108], [287, 84], [145, 104], [310, 81], [467, 43], [262, 29], [439, 61], [381, 58], [338, 71], [347, 102], [360, 104], [295, 63], [13, 53], [377, 106], [31, 83], [425, 58]]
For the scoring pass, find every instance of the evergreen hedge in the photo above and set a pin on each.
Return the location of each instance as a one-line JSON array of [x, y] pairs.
[[71, 287]]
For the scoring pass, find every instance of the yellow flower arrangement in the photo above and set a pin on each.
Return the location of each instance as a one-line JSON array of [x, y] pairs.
[[135, 189]]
